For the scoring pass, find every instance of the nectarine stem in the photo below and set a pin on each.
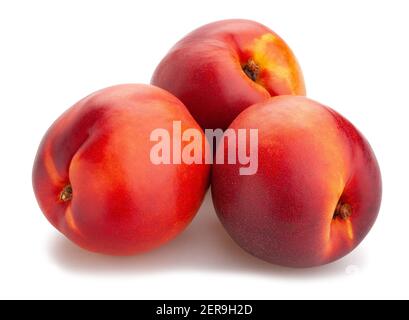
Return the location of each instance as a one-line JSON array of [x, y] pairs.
[[343, 210], [66, 193], [251, 69]]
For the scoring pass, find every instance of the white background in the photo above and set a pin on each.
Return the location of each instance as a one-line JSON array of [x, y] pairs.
[[354, 55]]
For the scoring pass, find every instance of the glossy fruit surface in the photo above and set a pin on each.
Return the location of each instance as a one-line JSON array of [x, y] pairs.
[[222, 68], [94, 179], [316, 193]]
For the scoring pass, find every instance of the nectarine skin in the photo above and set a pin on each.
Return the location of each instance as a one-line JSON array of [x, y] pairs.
[[95, 182], [317, 191], [222, 68]]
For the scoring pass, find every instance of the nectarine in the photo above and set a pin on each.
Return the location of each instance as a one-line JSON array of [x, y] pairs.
[[317, 190], [94, 179], [222, 68]]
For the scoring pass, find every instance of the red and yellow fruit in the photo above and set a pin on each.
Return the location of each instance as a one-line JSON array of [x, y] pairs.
[[224, 67], [317, 190], [94, 179]]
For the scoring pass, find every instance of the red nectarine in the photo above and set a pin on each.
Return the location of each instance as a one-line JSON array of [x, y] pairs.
[[94, 179], [224, 67], [317, 190]]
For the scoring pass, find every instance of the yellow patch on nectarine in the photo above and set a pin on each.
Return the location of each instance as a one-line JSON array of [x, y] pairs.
[[265, 57], [69, 219], [349, 229], [50, 167]]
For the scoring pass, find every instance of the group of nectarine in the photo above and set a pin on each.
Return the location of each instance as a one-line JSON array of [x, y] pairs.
[[315, 193]]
